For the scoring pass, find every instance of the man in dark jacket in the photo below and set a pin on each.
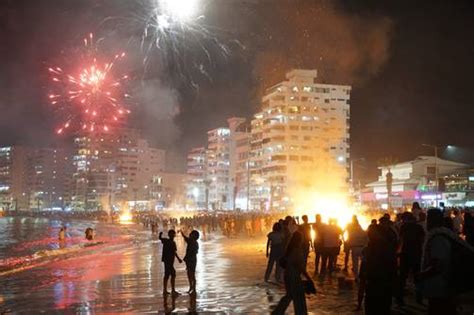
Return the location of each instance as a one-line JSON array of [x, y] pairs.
[[412, 238]]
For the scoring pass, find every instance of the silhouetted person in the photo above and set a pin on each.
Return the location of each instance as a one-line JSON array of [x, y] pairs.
[[362, 276], [294, 268], [448, 223], [286, 230], [305, 230], [167, 257], [437, 265], [457, 222], [379, 269], [62, 233], [318, 227], [416, 210], [468, 228], [89, 234], [190, 258], [422, 221], [331, 246], [412, 238], [373, 222], [356, 240], [275, 243]]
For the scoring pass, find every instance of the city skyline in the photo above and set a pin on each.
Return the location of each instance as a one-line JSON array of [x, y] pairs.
[[394, 89]]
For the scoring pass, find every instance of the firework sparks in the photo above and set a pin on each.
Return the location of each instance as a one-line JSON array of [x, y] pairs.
[[184, 42], [91, 98], [181, 9]]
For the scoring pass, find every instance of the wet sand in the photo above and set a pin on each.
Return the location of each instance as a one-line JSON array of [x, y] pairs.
[[129, 280]]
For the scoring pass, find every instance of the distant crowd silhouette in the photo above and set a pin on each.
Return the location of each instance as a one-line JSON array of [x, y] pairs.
[[430, 248], [433, 247]]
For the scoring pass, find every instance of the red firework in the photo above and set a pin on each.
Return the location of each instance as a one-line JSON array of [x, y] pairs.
[[92, 97]]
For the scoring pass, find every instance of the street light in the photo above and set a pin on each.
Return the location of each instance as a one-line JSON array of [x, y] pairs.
[[352, 170]]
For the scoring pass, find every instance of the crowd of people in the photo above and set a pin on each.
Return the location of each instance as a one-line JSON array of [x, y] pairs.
[[424, 246], [231, 225], [434, 247]]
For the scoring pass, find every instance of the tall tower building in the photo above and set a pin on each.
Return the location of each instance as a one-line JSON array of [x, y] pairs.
[[197, 190], [14, 194], [114, 169], [239, 146], [300, 141], [218, 169], [95, 171], [50, 171], [137, 163], [219, 174]]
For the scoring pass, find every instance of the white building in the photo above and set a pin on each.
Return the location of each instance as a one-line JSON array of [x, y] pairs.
[[219, 173], [14, 194], [137, 164], [196, 188], [95, 172], [114, 169], [239, 172], [299, 140], [411, 181], [49, 177], [218, 169]]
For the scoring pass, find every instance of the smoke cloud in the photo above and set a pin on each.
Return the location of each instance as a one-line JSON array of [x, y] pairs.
[[157, 107], [263, 40], [344, 47]]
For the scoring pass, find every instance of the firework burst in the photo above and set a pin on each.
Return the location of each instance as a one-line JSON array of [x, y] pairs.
[[185, 43], [90, 98]]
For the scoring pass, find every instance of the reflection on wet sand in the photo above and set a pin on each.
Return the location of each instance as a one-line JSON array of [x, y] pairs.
[[129, 279]]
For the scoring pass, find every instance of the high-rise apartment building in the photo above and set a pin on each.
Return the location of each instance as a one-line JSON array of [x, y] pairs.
[[114, 169], [49, 175], [239, 148], [13, 178], [219, 174], [218, 169], [94, 178], [137, 164], [299, 139], [197, 189]]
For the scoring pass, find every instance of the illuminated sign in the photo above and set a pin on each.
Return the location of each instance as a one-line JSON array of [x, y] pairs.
[[454, 196], [431, 197]]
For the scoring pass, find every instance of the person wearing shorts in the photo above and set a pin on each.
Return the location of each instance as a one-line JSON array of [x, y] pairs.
[[191, 258], [168, 255]]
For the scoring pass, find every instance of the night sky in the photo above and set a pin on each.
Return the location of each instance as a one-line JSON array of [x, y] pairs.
[[410, 64]]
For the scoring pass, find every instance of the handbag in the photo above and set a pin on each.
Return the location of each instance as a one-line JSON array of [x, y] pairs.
[[309, 287]]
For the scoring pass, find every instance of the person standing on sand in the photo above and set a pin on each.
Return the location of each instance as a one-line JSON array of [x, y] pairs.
[[191, 258], [293, 262], [167, 257], [62, 233], [275, 243]]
